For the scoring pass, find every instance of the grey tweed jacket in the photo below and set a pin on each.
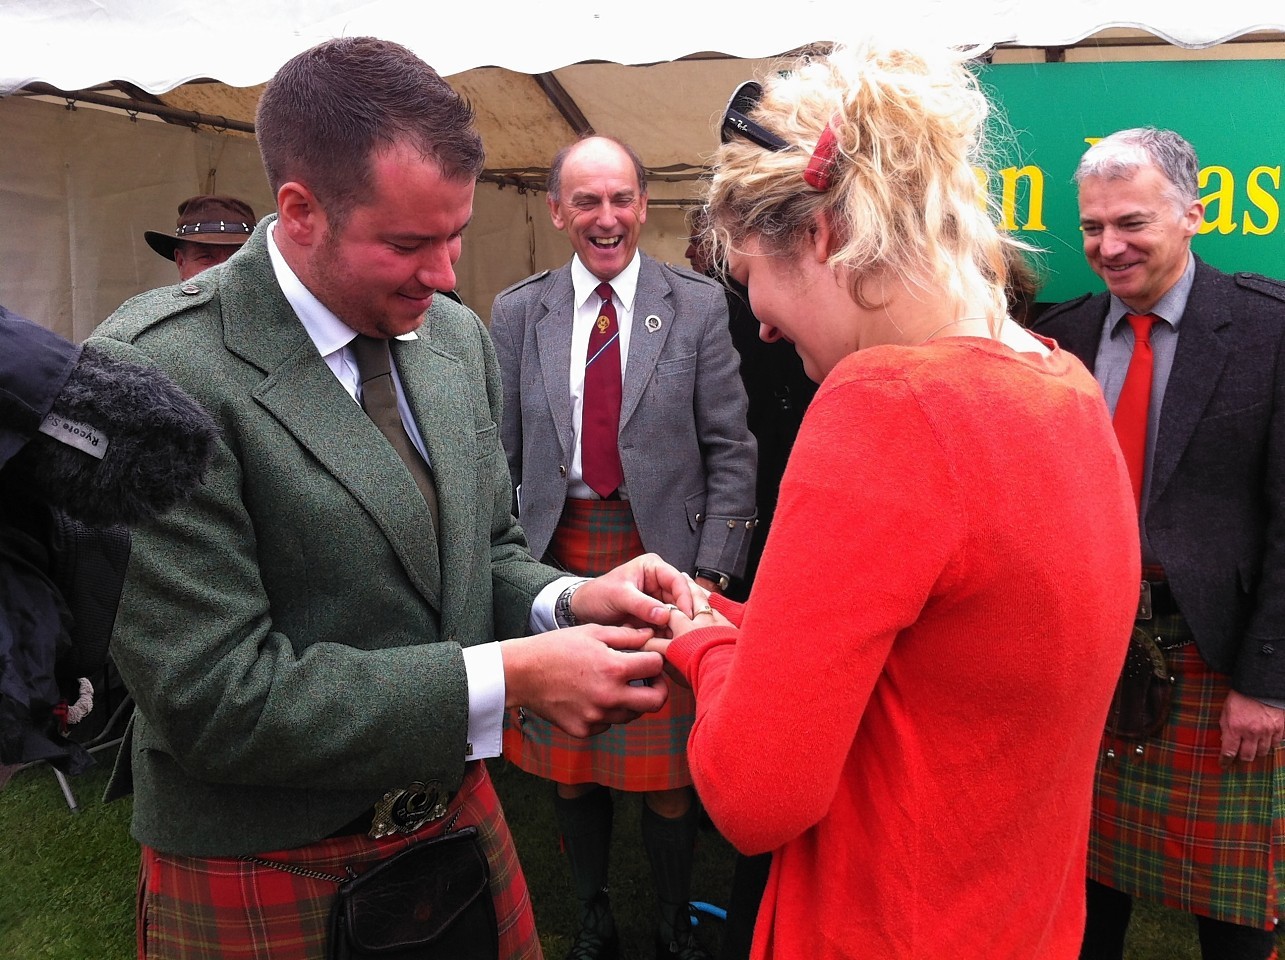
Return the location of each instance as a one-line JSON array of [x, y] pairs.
[[689, 459]]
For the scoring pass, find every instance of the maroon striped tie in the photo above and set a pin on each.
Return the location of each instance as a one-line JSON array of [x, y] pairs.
[[599, 438]]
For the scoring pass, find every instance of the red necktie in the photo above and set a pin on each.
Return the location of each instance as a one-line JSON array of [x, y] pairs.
[[1135, 398], [599, 438]]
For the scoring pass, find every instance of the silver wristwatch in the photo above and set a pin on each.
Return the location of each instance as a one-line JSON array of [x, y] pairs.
[[562, 614]]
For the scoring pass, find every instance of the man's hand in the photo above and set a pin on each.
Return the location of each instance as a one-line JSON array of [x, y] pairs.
[[579, 678], [1251, 729], [634, 593]]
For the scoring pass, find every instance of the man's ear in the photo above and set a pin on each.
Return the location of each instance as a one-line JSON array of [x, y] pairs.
[[555, 214], [1193, 218], [299, 214]]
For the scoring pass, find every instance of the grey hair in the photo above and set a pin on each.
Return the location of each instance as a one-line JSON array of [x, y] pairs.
[[1125, 152]]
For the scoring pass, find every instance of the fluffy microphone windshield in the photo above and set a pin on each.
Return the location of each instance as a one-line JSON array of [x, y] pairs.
[[158, 443]]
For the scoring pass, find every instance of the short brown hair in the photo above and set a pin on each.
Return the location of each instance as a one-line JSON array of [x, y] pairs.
[[329, 108]]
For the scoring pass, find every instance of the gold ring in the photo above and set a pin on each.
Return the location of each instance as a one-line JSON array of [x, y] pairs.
[[705, 609]]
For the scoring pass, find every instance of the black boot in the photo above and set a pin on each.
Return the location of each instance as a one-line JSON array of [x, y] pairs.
[[670, 845], [585, 824]]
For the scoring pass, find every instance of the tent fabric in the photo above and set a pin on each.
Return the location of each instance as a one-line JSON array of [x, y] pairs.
[[77, 43], [79, 187], [83, 184]]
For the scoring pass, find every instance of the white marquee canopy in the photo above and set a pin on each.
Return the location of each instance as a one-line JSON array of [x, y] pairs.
[[78, 43], [84, 183]]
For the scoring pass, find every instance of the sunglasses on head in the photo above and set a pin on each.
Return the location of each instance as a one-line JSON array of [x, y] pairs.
[[736, 123]]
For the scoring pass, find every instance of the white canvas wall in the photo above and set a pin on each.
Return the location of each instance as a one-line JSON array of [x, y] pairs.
[[78, 188]]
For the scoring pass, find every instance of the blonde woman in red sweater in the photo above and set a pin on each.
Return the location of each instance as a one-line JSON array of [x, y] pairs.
[[906, 710]]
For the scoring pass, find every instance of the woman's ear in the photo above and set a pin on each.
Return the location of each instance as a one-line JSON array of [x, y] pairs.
[[822, 238]]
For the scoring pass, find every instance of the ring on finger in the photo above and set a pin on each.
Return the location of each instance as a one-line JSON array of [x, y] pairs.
[[705, 609]]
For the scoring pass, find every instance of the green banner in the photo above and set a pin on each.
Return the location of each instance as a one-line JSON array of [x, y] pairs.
[[1228, 109]]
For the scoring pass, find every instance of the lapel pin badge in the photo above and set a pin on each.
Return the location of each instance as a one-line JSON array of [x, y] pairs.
[[652, 323]]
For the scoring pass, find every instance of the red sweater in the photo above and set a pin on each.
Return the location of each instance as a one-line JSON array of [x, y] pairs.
[[909, 712]]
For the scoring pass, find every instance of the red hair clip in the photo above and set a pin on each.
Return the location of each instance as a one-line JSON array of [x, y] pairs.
[[821, 166]]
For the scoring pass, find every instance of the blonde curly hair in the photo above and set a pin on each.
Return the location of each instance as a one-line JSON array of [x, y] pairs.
[[903, 195]]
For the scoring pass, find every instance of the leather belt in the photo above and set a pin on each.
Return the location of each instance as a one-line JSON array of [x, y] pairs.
[[1155, 599], [403, 810]]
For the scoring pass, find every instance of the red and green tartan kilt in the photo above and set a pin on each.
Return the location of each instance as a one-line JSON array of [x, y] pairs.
[[1172, 826], [203, 908], [649, 753]]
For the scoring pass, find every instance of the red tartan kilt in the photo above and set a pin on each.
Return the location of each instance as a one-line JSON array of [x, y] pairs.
[[649, 753], [226, 908], [1171, 825]]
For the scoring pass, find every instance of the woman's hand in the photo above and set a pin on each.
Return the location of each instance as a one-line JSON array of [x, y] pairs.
[[703, 615]]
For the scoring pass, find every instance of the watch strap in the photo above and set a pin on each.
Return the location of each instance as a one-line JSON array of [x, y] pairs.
[[562, 613], [721, 580]]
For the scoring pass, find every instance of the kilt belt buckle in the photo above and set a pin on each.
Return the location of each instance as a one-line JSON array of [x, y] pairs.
[[408, 808], [1144, 601]]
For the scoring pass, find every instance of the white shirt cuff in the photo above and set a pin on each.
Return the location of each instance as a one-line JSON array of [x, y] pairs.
[[484, 668]]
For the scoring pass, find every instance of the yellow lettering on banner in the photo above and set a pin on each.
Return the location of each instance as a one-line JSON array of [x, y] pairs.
[[1035, 197], [1224, 197], [1263, 200]]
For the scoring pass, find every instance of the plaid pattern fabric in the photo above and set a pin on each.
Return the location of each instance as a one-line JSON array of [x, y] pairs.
[[650, 753], [226, 908], [1171, 825]]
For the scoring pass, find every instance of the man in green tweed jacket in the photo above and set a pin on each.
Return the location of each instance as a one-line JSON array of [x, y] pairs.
[[311, 633]]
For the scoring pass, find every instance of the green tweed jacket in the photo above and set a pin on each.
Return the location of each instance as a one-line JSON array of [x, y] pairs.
[[292, 634]]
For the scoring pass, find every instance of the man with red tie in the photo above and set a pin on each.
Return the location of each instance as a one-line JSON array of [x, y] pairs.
[[625, 429], [1189, 805]]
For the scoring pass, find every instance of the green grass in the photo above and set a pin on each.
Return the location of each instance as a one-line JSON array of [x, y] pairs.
[[528, 804], [67, 880]]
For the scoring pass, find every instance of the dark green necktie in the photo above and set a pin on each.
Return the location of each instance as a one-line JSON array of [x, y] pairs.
[[379, 400]]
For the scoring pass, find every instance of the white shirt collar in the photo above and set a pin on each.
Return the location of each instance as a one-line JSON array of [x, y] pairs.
[[624, 284]]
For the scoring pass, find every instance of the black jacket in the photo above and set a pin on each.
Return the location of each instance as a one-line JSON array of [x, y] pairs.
[[63, 540], [1215, 513]]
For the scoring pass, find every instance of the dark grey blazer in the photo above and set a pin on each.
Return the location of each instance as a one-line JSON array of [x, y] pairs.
[[1214, 512], [688, 456]]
